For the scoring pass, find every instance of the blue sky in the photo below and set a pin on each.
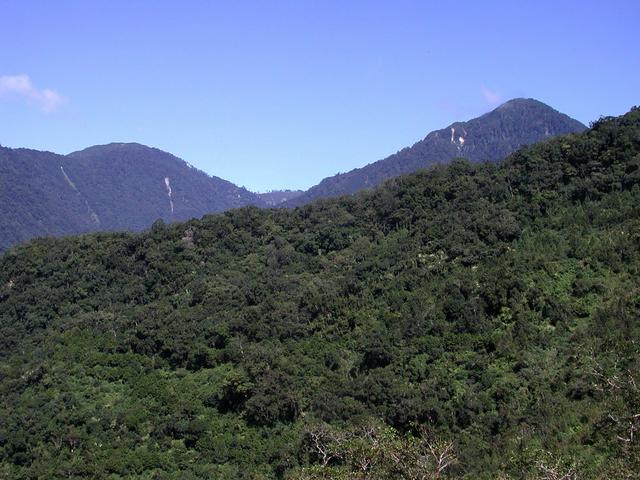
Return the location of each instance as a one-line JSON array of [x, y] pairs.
[[279, 94]]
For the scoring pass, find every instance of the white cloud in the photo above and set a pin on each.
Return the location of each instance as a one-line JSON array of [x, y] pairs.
[[492, 97], [20, 86]]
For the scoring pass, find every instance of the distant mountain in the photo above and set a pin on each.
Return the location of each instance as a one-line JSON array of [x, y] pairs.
[[490, 137], [120, 186], [276, 197], [127, 186]]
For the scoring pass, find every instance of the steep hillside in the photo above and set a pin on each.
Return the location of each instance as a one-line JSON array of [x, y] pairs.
[[489, 137], [152, 184], [109, 187], [37, 199], [468, 321]]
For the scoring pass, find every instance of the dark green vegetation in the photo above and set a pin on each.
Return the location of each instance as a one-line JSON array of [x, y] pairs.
[[490, 137], [120, 186], [487, 313]]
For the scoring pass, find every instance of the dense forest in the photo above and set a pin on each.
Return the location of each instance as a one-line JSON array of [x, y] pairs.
[[472, 321]]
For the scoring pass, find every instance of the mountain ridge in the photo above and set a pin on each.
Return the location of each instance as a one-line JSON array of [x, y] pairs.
[[127, 186], [489, 137], [116, 186]]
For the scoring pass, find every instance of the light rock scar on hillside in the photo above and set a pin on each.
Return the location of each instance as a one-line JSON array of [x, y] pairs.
[[93, 215]]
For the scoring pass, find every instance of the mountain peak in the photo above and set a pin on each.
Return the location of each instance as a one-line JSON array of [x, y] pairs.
[[529, 106], [489, 137], [114, 147], [521, 101]]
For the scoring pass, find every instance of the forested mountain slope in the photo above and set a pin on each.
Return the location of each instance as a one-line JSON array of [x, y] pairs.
[[468, 321], [489, 137], [120, 186]]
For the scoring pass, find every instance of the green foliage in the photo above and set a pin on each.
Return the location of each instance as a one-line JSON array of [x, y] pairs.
[[492, 309]]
